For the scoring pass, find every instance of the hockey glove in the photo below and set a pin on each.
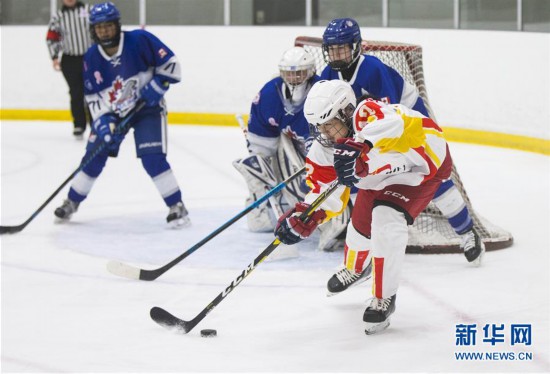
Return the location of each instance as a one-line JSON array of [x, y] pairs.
[[105, 127], [350, 161], [291, 229], [153, 92]]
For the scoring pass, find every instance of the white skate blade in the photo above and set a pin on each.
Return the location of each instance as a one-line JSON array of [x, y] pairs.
[[373, 328], [477, 262], [60, 221], [283, 252], [180, 223]]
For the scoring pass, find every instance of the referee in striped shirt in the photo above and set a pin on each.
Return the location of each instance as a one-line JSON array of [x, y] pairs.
[[68, 39]]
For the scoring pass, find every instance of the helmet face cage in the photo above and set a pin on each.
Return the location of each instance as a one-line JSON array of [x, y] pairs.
[[345, 116], [296, 77], [343, 55]]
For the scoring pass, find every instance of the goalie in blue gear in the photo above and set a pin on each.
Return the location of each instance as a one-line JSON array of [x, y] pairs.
[[367, 75], [277, 139], [122, 68]]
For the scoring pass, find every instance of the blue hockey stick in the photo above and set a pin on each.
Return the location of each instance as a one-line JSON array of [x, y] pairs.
[[122, 128], [127, 271]]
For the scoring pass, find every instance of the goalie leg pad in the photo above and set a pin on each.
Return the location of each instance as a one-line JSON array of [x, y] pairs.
[[259, 178], [260, 219], [333, 232], [287, 162], [257, 173]]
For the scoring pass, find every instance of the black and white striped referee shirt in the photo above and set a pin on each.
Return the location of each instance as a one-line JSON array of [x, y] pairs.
[[69, 31]]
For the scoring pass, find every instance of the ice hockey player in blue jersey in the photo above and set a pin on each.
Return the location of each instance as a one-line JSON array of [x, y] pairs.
[[367, 75], [120, 69], [278, 138]]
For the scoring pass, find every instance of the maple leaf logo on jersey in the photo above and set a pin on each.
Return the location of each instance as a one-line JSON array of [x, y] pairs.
[[162, 53], [123, 95], [115, 92]]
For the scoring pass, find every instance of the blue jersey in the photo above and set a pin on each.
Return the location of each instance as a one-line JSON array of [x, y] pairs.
[[273, 113], [372, 76], [113, 83]]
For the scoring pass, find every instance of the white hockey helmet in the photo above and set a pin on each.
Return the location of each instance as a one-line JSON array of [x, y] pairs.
[[297, 66], [327, 100]]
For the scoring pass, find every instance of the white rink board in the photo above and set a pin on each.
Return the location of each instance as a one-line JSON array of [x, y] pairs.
[[497, 81]]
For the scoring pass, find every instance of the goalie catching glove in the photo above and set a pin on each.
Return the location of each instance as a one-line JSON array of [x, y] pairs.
[[350, 160], [291, 229], [153, 92]]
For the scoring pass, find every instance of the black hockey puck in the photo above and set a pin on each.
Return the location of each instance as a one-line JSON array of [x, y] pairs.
[[208, 333]]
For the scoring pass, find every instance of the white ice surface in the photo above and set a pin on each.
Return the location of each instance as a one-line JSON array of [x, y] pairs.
[[62, 311]]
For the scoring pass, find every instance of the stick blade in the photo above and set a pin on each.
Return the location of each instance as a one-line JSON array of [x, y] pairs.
[[10, 229], [122, 270], [169, 321]]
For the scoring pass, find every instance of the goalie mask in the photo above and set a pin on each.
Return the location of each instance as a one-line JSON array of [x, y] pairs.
[[296, 68], [329, 111], [341, 43], [106, 14]]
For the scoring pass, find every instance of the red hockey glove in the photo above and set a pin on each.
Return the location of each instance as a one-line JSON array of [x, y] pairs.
[[350, 160], [291, 229]]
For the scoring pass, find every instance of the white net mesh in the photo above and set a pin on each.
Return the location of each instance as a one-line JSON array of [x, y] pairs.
[[431, 232]]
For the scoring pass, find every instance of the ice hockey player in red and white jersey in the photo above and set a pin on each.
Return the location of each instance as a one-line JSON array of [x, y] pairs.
[[396, 157]]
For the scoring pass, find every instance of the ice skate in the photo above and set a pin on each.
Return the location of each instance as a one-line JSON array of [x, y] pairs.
[[66, 210], [178, 216], [78, 133], [473, 247], [377, 315], [345, 278]]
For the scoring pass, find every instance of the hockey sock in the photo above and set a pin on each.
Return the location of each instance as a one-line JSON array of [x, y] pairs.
[[85, 179], [159, 170], [450, 202]]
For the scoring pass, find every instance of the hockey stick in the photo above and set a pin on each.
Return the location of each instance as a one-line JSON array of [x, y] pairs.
[[120, 129], [165, 319], [127, 271]]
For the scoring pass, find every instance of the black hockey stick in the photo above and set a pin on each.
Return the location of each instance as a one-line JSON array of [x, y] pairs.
[[120, 129], [127, 271], [165, 319]]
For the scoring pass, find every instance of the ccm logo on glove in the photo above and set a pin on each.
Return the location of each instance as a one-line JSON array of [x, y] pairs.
[[350, 160]]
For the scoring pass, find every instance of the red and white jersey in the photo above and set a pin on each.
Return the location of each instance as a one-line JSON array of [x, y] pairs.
[[408, 149]]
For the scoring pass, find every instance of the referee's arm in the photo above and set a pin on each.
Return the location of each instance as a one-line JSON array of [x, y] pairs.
[[53, 40]]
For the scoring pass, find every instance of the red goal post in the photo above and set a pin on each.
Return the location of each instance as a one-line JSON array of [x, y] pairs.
[[431, 233]]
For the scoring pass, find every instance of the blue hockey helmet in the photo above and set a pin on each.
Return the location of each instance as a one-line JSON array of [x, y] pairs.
[[105, 12], [340, 33]]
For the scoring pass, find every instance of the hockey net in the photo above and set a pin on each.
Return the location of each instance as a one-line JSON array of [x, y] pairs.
[[431, 232]]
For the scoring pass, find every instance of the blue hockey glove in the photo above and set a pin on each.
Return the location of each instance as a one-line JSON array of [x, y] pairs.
[[350, 161], [291, 229], [153, 92], [104, 127]]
